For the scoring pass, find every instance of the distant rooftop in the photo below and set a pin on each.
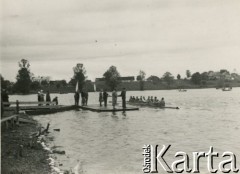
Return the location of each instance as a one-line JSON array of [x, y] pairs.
[[128, 78]]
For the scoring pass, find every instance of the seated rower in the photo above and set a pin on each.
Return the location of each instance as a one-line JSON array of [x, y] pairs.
[[149, 99], [130, 99], [152, 99], [162, 103], [137, 99], [133, 98], [155, 100], [144, 98], [141, 99]]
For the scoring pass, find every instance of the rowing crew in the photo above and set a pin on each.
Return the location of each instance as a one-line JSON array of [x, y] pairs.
[[148, 100]]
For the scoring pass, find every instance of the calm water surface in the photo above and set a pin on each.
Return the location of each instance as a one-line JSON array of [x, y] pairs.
[[112, 142]]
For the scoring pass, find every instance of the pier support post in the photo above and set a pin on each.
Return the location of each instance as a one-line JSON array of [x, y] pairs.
[[47, 127], [6, 124], [12, 122], [17, 106], [17, 120]]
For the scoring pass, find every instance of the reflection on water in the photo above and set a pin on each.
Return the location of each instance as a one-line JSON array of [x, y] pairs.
[[112, 142]]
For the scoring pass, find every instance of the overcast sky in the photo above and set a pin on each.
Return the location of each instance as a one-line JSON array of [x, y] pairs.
[[153, 35]]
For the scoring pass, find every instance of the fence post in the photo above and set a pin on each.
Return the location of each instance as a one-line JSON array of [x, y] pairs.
[[7, 124], [17, 121], [17, 106], [47, 127], [12, 122]]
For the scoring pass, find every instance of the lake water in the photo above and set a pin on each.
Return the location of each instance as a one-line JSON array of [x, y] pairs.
[[112, 142]]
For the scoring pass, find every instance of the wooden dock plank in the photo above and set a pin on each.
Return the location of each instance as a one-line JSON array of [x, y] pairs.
[[96, 108], [29, 102], [27, 121], [43, 111], [9, 118], [34, 107]]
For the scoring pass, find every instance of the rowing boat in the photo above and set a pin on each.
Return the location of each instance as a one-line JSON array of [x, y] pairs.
[[182, 90], [227, 89], [155, 105]]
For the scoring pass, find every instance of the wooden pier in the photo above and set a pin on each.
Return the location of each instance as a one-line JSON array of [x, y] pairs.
[[37, 108], [50, 110], [12, 120], [40, 108], [97, 108]]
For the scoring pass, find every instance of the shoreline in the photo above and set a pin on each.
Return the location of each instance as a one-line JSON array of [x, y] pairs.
[[17, 154], [161, 89]]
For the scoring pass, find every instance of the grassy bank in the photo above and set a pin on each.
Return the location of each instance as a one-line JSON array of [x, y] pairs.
[[17, 157]]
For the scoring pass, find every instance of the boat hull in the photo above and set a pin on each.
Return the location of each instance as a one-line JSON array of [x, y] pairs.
[[154, 105]]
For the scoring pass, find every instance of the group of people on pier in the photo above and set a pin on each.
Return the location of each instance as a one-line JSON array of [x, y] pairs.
[[150, 99], [103, 98], [41, 96], [83, 95]]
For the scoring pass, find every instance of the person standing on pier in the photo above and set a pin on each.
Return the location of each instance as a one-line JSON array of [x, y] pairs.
[[100, 97], [86, 97], [123, 95], [48, 98], [41, 96], [83, 98], [114, 98], [105, 97], [76, 98]]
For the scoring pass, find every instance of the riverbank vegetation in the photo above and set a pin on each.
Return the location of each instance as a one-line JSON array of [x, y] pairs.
[[17, 156]]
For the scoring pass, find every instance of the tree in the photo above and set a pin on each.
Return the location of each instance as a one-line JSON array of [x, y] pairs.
[[112, 77], [23, 78], [168, 77], [141, 79], [204, 76], [188, 73], [64, 83], [35, 85], [79, 76], [72, 82], [178, 76], [141, 75], [44, 83], [58, 85], [6, 84], [196, 78], [154, 79], [224, 71]]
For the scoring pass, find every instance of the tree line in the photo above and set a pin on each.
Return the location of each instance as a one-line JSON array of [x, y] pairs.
[[26, 81]]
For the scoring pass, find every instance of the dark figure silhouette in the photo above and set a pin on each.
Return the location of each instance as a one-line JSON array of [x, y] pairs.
[[76, 98], [105, 97], [100, 98], [55, 100], [83, 98], [48, 98], [5, 97], [123, 95], [86, 98]]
